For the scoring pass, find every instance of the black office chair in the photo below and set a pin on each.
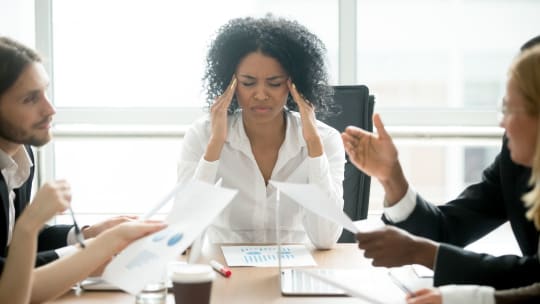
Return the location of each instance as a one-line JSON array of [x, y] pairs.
[[356, 109]]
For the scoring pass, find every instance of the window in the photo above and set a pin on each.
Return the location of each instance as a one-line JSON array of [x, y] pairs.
[[439, 169], [127, 81], [441, 54], [115, 176], [152, 53], [441, 65]]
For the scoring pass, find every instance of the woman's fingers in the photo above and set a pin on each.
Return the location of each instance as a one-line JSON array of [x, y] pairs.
[[224, 100], [300, 100]]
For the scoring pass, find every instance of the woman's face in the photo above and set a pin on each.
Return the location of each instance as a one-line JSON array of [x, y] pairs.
[[262, 88], [521, 127]]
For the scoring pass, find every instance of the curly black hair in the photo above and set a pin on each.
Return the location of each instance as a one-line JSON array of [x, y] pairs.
[[300, 53]]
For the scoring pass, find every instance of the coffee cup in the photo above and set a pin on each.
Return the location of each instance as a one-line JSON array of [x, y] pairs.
[[192, 283]]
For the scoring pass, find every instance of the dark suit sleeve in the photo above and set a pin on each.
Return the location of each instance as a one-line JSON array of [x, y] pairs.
[[478, 210], [455, 265], [53, 237], [45, 257], [50, 238]]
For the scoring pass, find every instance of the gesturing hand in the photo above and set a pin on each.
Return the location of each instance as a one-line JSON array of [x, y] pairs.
[[309, 122], [51, 198], [375, 154]]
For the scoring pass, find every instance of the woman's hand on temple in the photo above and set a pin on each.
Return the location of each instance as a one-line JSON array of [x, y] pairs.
[[309, 121], [218, 118]]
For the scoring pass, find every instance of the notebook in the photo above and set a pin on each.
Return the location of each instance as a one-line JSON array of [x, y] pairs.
[[295, 282]]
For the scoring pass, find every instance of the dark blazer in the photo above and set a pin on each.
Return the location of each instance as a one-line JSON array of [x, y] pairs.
[[479, 209], [50, 237]]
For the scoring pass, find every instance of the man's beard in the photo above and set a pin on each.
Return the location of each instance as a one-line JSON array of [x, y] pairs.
[[11, 133]]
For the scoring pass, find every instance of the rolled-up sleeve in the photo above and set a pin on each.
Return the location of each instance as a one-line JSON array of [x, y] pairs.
[[327, 172], [191, 164], [206, 171]]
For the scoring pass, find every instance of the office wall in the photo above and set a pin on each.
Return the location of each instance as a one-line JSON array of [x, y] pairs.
[[17, 20]]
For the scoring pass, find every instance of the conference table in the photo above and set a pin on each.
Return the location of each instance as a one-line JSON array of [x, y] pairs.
[[247, 284]]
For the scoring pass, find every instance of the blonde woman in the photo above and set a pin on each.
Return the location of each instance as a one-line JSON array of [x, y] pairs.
[[420, 232], [521, 111]]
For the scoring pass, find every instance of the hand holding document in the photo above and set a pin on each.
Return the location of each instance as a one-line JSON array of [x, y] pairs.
[[363, 285], [145, 260], [369, 224]]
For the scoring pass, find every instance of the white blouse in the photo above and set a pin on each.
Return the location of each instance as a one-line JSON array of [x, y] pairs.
[[250, 217]]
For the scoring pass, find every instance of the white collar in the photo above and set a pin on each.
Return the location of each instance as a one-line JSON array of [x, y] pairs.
[[16, 169], [294, 140]]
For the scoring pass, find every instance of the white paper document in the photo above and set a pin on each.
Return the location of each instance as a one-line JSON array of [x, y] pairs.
[[422, 271], [266, 256], [145, 260], [370, 285], [369, 224], [312, 198], [174, 191]]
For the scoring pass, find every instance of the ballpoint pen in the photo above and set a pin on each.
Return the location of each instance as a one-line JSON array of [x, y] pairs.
[[400, 284], [78, 233]]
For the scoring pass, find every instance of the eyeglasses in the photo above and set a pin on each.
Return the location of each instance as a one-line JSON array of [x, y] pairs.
[[507, 111]]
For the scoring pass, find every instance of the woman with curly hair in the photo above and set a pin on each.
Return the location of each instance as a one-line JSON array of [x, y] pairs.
[[265, 79]]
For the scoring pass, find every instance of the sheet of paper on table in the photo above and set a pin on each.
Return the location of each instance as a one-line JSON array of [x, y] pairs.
[[372, 285], [266, 256]]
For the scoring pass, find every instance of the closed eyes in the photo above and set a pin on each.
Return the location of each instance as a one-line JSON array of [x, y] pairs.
[[249, 84]]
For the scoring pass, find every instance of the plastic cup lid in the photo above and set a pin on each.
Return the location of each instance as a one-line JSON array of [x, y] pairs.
[[192, 273]]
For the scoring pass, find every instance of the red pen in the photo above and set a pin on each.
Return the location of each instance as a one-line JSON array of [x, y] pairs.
[[224, 271]]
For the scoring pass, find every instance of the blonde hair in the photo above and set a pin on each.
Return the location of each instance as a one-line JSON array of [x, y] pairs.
[[525, 71]]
